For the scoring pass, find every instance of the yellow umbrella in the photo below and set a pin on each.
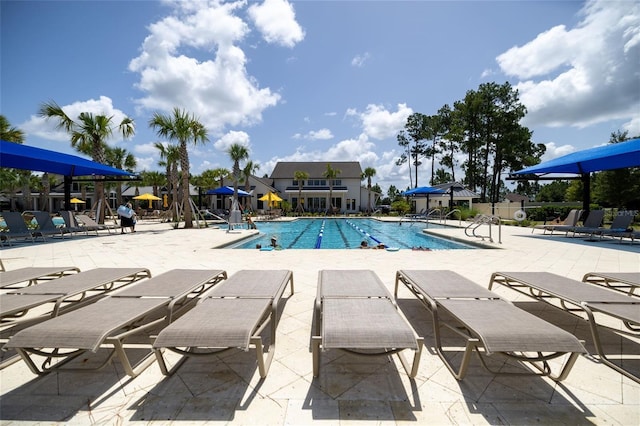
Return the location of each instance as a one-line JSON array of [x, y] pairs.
[[76, 201], [271, 197], [147, 196]]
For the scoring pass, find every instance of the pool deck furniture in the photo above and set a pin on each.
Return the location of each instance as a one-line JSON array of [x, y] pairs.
[[109, 322], [91, 225], [569, 222], [489, 325], [24, 277], [16, 228], [65, 293], [579, 297], [627, 282], [232, 316], [354, 312]]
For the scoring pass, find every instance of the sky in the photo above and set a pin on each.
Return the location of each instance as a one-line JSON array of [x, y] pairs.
[[317, 80]]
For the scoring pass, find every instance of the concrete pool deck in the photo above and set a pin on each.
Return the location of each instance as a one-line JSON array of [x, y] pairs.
[[349, 390]]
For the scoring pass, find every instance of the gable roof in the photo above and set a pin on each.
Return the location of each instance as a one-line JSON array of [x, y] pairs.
[[315, 169]]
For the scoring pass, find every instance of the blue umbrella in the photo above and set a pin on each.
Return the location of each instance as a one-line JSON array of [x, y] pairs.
[[227, 190], [424, 190]]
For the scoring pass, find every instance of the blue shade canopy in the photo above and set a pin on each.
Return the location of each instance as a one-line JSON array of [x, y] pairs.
[[424, 190], [18, 156], [227, 190], [609, 157]]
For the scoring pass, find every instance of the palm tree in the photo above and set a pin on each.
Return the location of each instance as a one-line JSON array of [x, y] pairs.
[[8, 133], [89, 134], [368, 173], [330, 174], [15, 135], [154, 179], [120, 158], [220, 174], [169, 157], [182, 127], [237, 153], [249, 168], [300, 176]]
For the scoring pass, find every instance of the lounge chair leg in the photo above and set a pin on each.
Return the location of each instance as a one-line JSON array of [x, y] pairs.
[[264, 359], [315, 348], [412, 370]]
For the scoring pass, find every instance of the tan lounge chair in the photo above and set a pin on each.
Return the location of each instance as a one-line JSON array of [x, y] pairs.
[[91, 225], [627, 282], [355, 312], [65, 293], [575, 296], [570, 221], [490, 325], [232, 316], [112, 320], [23, 277]]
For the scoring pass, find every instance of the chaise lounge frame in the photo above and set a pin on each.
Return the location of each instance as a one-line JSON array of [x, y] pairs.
[[231, 316], [626, 282], [24, 277], [489, 325], [381, 328], [109, 322], [579, 297]]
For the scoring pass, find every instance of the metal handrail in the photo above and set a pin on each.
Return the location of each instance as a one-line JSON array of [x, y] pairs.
[[485, 220], [442, 219]]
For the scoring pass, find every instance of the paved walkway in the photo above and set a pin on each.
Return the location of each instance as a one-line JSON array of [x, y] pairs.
[[349, 389]]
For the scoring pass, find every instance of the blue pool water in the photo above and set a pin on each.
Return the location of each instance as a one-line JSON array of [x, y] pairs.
[[346, 234]]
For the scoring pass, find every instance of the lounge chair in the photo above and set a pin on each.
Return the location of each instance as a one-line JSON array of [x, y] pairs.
[[91, 225], [109, 322], [16, 228], [65, 293], [355, 312], [620, 223], [490, 325], [575, 296], [70, 222], [627, 282], [570, 221], [46, 227], [232, 316], [32, 275], [593, 221]]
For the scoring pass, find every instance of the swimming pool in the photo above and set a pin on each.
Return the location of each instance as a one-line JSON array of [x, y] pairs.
[[332, 233]]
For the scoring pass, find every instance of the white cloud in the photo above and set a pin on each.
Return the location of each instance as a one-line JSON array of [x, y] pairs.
[[232, 137], [322, 134], [584, 75], [359, 60], [214, 85], [379, 123], [554, 151], [46, 128], [276, 20]]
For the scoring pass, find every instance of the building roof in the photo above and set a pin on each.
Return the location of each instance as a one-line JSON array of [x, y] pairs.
[[459, 190], [315, 169]]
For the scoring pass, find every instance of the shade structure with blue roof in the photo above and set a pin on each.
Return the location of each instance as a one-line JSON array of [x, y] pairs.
[[25, 157], [608, 157], [423, 190]]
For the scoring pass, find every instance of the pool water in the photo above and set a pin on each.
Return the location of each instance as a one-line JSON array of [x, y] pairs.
[[324, 233]]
